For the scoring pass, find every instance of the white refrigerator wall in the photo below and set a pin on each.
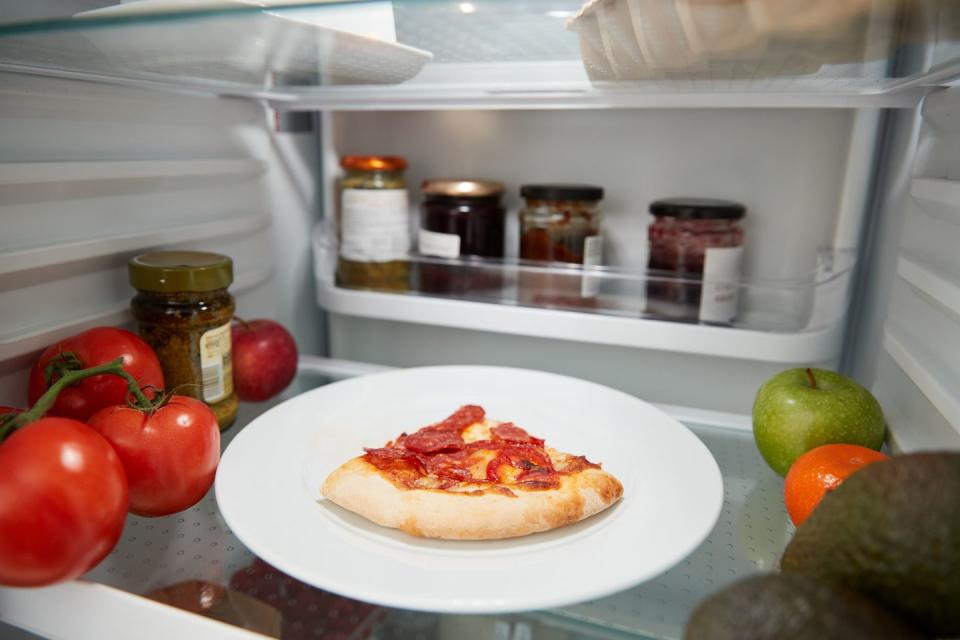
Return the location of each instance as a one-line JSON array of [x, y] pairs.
[[91, 175], [803, 174]]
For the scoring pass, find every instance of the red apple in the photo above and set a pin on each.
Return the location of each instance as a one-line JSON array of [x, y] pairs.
[[264, 359]]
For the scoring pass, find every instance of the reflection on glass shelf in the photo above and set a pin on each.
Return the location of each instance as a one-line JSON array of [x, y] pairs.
[[502, 52], [745, 39], [228, 45], [191, 560], [807, 303]]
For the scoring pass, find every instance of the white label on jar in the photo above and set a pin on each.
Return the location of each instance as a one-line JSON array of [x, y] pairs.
[[441, 245], [374, 225], [592, 257], [721, 284], [216, 368]]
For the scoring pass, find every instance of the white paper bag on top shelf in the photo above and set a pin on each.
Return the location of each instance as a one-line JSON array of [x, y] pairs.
[[661, 36], [720, 27], [619, 41], [587, 26], [715, 40], [805, 16]]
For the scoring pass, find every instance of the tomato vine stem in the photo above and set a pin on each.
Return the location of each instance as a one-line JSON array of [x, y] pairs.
[[43, 404]]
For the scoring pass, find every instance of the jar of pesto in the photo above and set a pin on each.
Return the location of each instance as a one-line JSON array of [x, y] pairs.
[[183, 310], [374, 224]]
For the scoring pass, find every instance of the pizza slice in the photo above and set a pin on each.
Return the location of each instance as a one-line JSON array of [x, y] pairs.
[[471, 478]]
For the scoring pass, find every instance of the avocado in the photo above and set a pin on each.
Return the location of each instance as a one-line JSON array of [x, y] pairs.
[[792, 607], [892, 532]]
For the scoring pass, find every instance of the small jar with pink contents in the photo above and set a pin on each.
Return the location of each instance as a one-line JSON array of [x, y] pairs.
[[694, 265]]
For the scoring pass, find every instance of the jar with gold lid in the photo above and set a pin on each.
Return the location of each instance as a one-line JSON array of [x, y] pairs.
[[460, 219], [183, 310], [374, 224]]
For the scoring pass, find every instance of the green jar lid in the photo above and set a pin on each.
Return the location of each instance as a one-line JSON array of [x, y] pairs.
[[172, 271]]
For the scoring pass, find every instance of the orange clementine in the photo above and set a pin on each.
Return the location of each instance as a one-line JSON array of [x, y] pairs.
[[820, 470]]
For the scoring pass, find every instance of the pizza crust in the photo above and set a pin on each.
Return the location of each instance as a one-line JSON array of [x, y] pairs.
[[358, 486]]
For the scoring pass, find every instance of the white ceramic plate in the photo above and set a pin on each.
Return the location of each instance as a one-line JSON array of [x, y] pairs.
[[268, 490]]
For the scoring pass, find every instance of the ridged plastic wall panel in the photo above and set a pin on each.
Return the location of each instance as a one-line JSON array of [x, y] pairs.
[[91, 175], [918, 373]]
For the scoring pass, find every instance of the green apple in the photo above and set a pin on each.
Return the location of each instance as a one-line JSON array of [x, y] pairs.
[[800, 409]]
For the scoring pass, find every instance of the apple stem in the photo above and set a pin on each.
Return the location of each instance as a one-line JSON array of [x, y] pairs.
[[813, 381], [243, 323]]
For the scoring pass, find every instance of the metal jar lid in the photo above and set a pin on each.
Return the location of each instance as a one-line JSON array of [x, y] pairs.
[[568, 192], [698, 209], [373, 163], [462, 188], [173, 271]]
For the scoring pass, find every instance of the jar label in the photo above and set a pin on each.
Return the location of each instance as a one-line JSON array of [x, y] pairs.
[[374, 225], [441, 245], [216, 366], [721, 275], [592, 257]]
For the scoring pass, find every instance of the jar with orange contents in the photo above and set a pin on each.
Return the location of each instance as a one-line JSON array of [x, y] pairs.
[[560, 223]]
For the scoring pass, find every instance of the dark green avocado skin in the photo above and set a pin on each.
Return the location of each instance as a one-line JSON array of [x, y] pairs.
[[793, 607], [891, 532]]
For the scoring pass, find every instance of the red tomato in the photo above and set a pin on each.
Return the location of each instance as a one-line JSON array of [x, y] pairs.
[[63, 502], [94, 347], [170, 456]]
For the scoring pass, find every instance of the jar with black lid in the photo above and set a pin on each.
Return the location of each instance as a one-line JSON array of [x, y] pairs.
[[560, 223], [460, 218], [183, 310], [696, 246]]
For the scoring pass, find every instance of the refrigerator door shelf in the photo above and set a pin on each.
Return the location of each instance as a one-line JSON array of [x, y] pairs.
[[776, 320]]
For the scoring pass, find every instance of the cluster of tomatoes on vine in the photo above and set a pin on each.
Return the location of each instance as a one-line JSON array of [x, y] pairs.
[[100, 438]]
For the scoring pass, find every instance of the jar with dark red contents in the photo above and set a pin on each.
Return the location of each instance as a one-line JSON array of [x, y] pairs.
[[694, 266], [460, 219]]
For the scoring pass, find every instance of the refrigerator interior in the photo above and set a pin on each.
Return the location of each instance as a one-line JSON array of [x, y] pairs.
[[802, 206], [110, 148]]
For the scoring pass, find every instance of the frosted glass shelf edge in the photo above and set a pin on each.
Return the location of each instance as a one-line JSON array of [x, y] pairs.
[[565, 98], [808, 347], [413, 98]]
